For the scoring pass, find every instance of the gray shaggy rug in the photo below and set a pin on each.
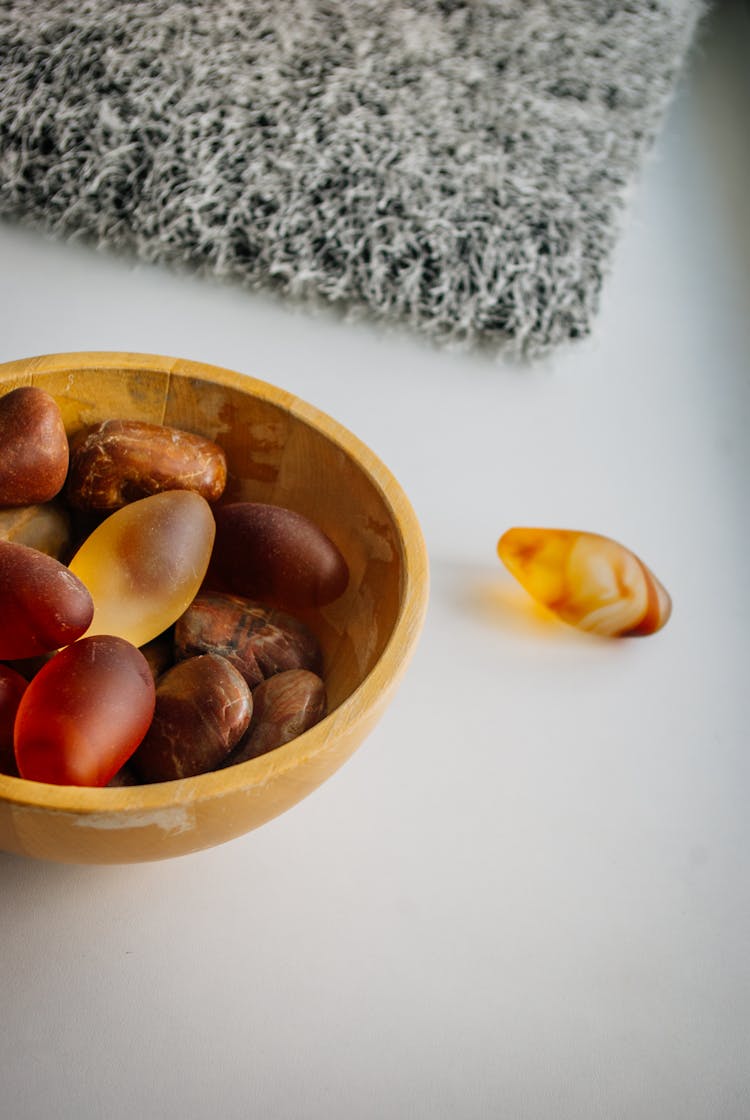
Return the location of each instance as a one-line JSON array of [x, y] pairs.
[[458, 165]]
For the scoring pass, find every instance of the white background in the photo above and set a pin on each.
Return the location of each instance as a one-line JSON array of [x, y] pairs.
[[528, 894]]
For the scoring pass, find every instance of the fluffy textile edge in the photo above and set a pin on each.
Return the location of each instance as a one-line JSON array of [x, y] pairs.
[[462, 167]]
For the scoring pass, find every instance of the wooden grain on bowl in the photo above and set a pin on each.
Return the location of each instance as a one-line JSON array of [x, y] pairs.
[[279, 450]]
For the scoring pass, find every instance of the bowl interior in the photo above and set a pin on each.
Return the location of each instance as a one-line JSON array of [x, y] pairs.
[[279, 450], [276, 455]]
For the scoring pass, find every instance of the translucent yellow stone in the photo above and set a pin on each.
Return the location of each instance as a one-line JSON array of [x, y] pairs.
[[144, 564], [587, 580]]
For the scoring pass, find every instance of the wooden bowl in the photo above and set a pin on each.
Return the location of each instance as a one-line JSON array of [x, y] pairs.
[[280, 450]]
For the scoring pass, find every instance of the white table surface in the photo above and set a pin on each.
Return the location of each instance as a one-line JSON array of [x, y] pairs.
[[528, 893]]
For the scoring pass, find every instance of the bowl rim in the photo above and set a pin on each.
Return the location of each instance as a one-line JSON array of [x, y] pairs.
[[360, 706]]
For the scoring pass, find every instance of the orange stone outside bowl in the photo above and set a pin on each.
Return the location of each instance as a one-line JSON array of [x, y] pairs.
[[280, 450]]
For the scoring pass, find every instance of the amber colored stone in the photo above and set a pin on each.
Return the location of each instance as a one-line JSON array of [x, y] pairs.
[[284, 706], [43, 605], [275, 555], [258, 640], [589, 581], [33, 447], [203, 707], [119, 461], [145, 562], [84, 713], [45, 526]]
